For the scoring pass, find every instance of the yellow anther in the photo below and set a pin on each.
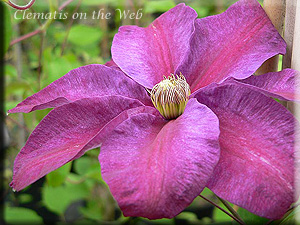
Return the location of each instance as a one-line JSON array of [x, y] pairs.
[[171, 95]]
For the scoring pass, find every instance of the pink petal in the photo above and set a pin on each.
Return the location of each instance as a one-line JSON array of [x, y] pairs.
[[147, 54], [282, 85], [84, 82], [67, 131], [234, 43], [256, 167], [155, 168]]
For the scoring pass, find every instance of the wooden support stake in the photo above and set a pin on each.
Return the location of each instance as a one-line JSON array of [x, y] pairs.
[[275, 9], [289, 32], [296, 65]]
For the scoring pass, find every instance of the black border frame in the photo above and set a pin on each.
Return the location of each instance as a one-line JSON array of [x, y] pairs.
[[2, 113]]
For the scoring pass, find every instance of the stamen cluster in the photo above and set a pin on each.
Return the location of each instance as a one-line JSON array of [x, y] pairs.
[[171, 95]]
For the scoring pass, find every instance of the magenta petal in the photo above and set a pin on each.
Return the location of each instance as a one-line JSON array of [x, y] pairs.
[[282, 85], [66, 131], [256, 167], [155, 168], [147, 54], [234, 43], [84, 82]]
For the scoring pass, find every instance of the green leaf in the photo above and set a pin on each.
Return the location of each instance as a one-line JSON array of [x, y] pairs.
[[159, 6], [10, 71], [74, 178], [89, 167], [92, 210], [207, 192], [250, 218], [57, 199], [40, 114], [102, 2], [82, 222], [290, 219], [57, 31], [10, 104], [188, 216], [83, 35], [25, 198], [82, 165], [201, 11], [220, 216], [57, 177], [17, 87], [15, 215], [88, 52], [158, 221], [58, 67]]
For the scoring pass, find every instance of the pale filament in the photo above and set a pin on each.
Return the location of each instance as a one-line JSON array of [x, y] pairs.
[[170, 96]]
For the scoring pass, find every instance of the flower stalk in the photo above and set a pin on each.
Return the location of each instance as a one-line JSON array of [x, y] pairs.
[[240, 221], [230, 208]]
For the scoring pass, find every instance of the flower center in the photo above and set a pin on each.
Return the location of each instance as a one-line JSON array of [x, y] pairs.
[[170, 96]]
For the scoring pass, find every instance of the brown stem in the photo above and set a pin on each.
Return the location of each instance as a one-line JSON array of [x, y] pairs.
[[39, 70], [219, 6], [66, 3], [21, 136], [39, 30], [104, 45], [128, 6], [223, 210], [18, 124]]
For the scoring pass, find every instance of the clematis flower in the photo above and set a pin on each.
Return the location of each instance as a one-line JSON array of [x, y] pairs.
[[160, 146]]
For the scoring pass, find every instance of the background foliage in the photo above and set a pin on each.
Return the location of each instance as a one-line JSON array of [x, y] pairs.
[[76, 193]]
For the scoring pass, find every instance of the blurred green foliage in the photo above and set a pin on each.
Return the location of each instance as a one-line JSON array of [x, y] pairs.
[[7, 28], [76, 193], [20, 215]]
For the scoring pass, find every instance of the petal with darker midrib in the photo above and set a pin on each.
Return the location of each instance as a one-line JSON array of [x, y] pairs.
[[232, 44], [67, 132], [84, 82], [256, 167], [154, 167], [148, 54]]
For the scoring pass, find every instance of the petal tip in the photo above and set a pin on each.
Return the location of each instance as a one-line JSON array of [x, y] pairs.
[[20, 109], [12, 185]]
